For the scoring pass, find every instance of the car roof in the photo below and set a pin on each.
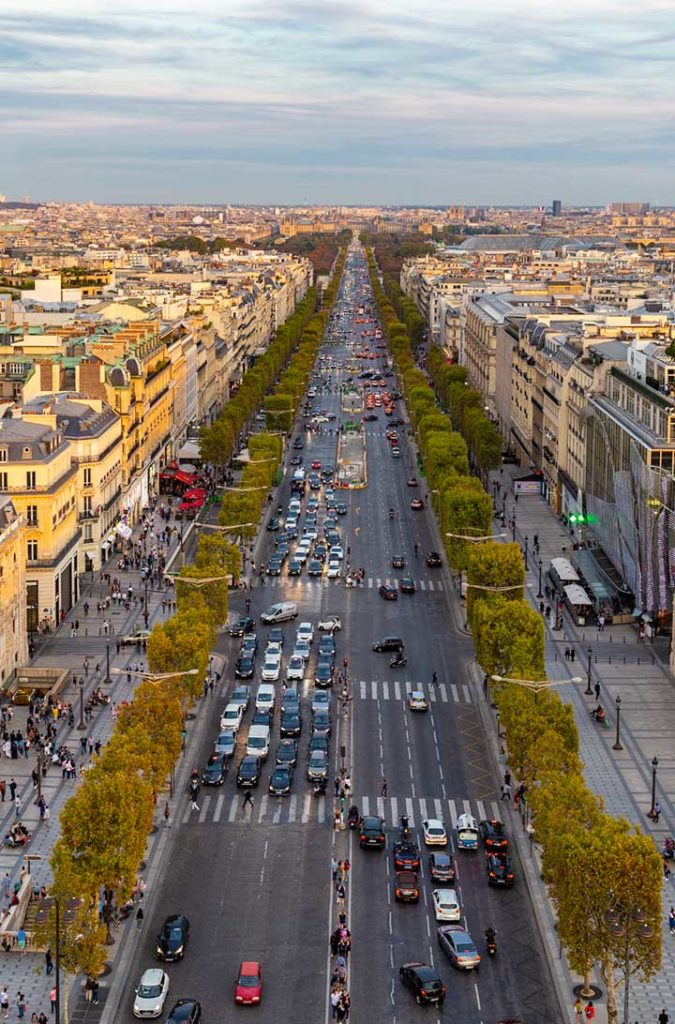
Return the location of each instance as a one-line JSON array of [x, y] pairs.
[[370, 819], [433, 823], [249, 967], [440, 858], [153, 976]]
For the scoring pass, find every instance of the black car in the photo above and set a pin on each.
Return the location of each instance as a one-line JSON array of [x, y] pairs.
[[493, 835], [185, 1011], [294, 568], [274, 566], [441, 867], [290, 701], [248, 772], [323, 675], [263, 716], [291, 724], [319, 741], [287, 751], [327, 645], [388, 593], [407, 585], [389, 643], [369, 417], [423, 982], [276, 636], [244, 667], [434, 560], [241, 626], [273, 524], [315, 567], [498, 869], [398, 562], [406, 887], [321, 722], [406, 856], [280, 782], [214, 771], [320, 551], [298, 444], [341, 508], [371, 832], [173, 938]]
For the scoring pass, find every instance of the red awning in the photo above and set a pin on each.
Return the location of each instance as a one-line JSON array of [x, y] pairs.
[[185, 478], [167, 474], [195, 494], [185, 506]]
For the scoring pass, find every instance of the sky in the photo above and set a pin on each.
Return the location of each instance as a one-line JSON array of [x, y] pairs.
[[338, 101]]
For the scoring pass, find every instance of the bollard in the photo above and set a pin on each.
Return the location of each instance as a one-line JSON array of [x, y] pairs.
[[653, 660], [638, 661], [624, 659], [609, 660]]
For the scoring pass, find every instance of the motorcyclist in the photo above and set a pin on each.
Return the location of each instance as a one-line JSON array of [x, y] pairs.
[[405, 826], [416, 549], [490, 936], [392, 513], [599, 713]]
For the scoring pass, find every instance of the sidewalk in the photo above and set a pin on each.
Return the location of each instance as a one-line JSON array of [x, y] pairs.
[[635, 672]]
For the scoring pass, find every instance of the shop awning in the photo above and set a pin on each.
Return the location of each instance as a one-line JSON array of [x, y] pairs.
[[190, 452], [577, 596], [184, 478]]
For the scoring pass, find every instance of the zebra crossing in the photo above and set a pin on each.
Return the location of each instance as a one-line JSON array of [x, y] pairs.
[[397, 689], [303, 809], [371, 583]]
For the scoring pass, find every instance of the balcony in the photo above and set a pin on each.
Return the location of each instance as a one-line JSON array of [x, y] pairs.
[[89, 516]]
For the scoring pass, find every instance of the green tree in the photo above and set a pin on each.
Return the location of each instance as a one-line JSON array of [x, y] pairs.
[[498, 566], [509, 638]]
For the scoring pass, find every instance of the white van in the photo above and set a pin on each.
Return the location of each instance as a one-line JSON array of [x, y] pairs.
[[467, 832], [264, 698], [231, 718], [281, 612], [258, 742]]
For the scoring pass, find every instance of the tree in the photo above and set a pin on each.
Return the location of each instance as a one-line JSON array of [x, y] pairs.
[[182, 643], [508, 637], [212, 598], [498, 566], [465, 510]]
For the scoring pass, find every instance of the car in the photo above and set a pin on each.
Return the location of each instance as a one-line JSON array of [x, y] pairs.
[[317, 766], [398, 561], [323, 673], [225, 744], [434, 832], [140, 636], [290, 724], [298, 444], [214, 770], [244, 666], [321, 721], [302, 649], [336, 552], [319, 741], [327, 645], [417, 701], [416, 504], [341, 508], [371, 417], [406, 887], [271, 668], [281, 779], [412, 481], [249, 645], [387, 592], [287, 751], [305, 631], [231, 717], [499, 870], [434, 560], [315, 567], [241, 695], [423, 981], [396, 453], [406, 856], [296, 460], [265, 697], [173, 938], [290, 700], [275, 636], [151, 993], [441, 867], [295, 567], [329, 624], [389, 643], [492, 833], [316, 464], [249, 983], [459, 947], [248, 772], [328, 472], [274, 566], [273, 524], [295, 669], [241, 626], [185, 1011], [371, 832], [263, 716], [320, 700], [446, 905]]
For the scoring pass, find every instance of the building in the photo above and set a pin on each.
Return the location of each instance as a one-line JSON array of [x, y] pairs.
[[556, 208], [13, 617]]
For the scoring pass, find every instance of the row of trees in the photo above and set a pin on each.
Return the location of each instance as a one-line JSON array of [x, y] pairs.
[[604, 876], [105, 824]]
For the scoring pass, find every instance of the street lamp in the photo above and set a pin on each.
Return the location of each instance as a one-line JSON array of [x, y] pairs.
[[536, 686], [624, 922], [588, 691], [107, 681], [67, 916], [80, 724], [527, 541], [617, 744], [540, 565], [155, 677], [652, 811], [513, 527], [145, 605]]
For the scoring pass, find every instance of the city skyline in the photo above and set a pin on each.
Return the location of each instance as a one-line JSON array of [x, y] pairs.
[[286, 103]]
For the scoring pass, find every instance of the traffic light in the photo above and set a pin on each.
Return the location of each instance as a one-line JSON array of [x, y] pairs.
[[581, 519]]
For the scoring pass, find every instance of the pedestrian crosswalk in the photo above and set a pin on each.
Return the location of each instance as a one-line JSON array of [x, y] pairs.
[[398, 689], [226, 808], [370, 583]]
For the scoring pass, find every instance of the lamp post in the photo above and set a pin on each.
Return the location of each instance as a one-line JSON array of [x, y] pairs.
[[67, 916], [536, 686], [80, 724], [589, 691], [107, 679], [652, 811], [617, 743], [539, 594], [627, 922], [513, 527], [145, 604], [527, 541]]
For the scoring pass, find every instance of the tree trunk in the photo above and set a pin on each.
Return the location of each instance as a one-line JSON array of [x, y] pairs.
[[610, 983], [65, 1002]]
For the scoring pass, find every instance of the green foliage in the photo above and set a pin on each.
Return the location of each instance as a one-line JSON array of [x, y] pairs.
[[495, 565], [508, 637], [465, 510]]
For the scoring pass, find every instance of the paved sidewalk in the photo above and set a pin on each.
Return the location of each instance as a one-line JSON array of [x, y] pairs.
[[636, 672]]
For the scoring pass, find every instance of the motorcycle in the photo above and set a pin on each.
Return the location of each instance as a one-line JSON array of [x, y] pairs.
[[490, 942], [320, 787], [353, 817], [391, 513], [399, 662]]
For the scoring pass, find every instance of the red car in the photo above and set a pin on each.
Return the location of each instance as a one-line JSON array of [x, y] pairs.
[[248, 988], [316, 464]]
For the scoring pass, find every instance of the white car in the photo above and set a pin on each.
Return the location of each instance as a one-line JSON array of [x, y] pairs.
[[333, 569], [321, 700], [310, 532], [295, 670], [271, 668], [336, 552], [300, 554], [273, 649], [231, 718], [417, 701], [302, 649], [446, 905], [151, 993], [264, 698], [330, 624], [305, 631], [434, 832]]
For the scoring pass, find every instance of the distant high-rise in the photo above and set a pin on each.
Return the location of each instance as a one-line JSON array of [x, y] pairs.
[[631, 209], [556, 208]]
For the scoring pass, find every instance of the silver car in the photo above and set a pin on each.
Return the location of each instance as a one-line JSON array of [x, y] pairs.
[[151, 993], [317, 766]]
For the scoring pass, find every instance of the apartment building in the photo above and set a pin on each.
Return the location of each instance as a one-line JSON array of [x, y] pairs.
[[13, 619]]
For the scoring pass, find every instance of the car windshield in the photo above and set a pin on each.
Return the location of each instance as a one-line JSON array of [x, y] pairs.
[[149, 991], [463, 945], [174, 934], [248, 980]]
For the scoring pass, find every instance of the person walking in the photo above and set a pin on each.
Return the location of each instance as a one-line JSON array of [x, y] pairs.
[[334, 868], [167, 815], [4, 1003], [20, 1005], [597, 691], [334, 1001], [663, 1017], [139, 919], [194, 793], [383, 787], [589, 1010], [248, 800], [657, 811], [12, 789], [49, 962], [506, 791], [3, 789], [578, 1010], [434, 679], [573, 653], [671, 920]]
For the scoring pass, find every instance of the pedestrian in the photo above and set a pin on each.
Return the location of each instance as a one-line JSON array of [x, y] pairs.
[[383, 787], [4, 1003], [12, 788], [20, 1005], [17, 808], [589, 1010], [139, 919], [541, 607], [194, 793], [248, 800], [49, 962], [657, 811], [340, 893], [94, 991], [578, 1010], [334, 868], [337, 787], [507, 778], [601, 623], [573, 654], [663, 1017], [506, 791], [671, 920], [567, 654], [597, 691], [3, 789], [167, 815], [6, 882], [334, 1000]]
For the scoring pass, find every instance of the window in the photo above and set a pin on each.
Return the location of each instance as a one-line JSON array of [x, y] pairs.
[[4, 455], [31, 480], [88, 534], [87, 478], [87, 505], [28, 452], [32, 515], [4, 482], [32, 550]]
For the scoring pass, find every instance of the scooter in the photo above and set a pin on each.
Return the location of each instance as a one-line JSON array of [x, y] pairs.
[[491, 944], [398, 662], [353, 817]]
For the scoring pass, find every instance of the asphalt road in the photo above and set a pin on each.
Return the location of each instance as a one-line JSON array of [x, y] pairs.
[[256, 884]]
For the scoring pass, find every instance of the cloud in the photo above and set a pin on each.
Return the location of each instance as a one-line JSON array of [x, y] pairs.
[[339, 92]]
